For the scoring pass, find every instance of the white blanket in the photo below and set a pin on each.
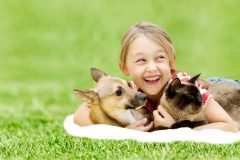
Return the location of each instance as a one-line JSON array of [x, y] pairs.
[[102, 131]]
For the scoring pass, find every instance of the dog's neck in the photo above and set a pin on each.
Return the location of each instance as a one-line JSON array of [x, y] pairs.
[[103, 117]]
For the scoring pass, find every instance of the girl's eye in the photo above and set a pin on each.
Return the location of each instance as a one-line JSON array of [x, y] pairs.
[[118, 92], [140, 61], [160, 58]]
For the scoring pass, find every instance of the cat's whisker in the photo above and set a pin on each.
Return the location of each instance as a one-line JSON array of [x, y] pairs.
[[188, 108], [181, 115], [184, 111]]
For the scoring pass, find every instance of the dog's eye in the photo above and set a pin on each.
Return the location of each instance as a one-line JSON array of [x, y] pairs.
[[119, 92]]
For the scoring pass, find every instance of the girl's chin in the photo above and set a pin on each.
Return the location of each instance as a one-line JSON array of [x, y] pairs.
[[152, 92]]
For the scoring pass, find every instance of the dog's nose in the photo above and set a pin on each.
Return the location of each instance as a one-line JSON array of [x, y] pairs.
[[141, 96]]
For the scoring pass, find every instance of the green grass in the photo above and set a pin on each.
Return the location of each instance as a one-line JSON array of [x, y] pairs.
[[47, 48]]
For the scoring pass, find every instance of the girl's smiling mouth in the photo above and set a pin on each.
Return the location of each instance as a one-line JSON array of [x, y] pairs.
[[152, 80]]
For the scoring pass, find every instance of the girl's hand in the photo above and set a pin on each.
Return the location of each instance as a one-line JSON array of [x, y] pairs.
[[162, 118], [141, 125]]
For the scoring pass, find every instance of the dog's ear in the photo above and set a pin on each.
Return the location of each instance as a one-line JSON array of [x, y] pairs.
[[97, 74], [193, 79], [88, 96]]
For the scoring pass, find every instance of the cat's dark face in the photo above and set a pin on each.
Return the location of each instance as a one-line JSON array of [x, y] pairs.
[[184, 95]]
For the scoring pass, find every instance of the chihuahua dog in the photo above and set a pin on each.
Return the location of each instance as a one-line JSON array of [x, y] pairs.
[[113, 102]]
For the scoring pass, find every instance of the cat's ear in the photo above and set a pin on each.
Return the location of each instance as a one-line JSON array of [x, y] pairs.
[[97, 74], [193, 79], [175, 84]]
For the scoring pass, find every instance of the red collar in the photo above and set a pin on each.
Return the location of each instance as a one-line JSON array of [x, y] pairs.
[[149, 106]]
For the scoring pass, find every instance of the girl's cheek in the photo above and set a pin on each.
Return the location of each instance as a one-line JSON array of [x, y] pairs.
[[138, 68], [166, 67]]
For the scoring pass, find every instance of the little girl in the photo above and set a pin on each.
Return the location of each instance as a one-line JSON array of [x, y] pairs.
[[148, 57]]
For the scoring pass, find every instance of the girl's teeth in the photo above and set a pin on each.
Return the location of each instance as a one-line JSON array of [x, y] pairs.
[[151, 79]]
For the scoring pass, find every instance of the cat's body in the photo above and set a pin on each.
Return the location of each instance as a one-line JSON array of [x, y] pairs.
[[228, 96]]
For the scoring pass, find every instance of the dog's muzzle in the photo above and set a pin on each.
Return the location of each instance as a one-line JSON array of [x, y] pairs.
[[137, 101], [141, 96]]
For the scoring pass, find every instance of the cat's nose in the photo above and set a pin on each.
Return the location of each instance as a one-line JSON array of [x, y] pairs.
[[141, 96]]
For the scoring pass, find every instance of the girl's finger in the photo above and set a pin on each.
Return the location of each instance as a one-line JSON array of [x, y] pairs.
[[141, 122], [163, 111], [156, 114], [148, 127]]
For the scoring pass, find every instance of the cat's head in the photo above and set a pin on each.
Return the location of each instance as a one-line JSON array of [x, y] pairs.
[[184, 96]]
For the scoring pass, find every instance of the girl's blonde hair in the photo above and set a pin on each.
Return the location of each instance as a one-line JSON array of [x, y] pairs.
[[153, 32]]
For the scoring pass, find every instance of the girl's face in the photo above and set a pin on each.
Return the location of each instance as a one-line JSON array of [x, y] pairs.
[[148, 66]]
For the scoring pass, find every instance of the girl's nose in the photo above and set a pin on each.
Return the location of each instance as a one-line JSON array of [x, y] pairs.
[[151, 67]]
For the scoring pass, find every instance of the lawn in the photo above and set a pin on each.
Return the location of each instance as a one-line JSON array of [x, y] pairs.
[[47, 48]]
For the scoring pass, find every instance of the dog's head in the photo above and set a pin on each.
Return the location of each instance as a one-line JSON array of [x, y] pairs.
[[112, 94]]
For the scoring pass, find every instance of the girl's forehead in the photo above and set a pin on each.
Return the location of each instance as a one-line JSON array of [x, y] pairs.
[[143, 46], [144, 42]]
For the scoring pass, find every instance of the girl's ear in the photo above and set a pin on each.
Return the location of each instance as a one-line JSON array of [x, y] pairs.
[[174, 61], [173, 64], [123, 68]]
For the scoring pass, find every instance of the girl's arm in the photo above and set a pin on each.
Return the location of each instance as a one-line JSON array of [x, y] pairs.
[[82, 118], [217, 118], [141, 125], [82, 115]]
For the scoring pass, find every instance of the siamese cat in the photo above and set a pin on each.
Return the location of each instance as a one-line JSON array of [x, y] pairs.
[[183, 101]]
